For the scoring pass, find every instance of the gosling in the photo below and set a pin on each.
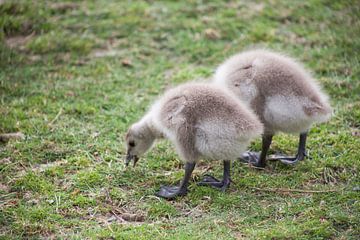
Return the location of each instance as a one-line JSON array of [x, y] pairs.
[[281, 92], [202, 121]]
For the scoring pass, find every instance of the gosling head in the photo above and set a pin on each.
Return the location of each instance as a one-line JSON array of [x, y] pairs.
[[138, 140]]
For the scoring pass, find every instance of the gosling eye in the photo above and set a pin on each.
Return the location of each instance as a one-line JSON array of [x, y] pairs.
[[236, 84], [132, 143]]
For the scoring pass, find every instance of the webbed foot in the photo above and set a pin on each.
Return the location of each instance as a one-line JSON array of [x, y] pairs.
[[213, 182], [170, 192], [252, 158], [299, 156], [287, 159]]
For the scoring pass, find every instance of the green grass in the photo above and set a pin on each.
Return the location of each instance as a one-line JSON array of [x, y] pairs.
[[63, 84]]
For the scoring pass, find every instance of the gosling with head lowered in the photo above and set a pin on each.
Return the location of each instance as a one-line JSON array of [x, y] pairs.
[[282, 93], [202, 121]]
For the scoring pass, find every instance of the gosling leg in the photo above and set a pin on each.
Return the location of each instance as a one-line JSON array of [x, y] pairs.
[[171, 192], [256, 159], [301, 153], [213, 182]]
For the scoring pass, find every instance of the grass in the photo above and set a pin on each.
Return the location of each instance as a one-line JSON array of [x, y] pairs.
[[75, 75]]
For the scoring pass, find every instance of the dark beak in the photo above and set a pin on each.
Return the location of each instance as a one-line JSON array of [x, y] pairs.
[[130, 157], [136, 158]]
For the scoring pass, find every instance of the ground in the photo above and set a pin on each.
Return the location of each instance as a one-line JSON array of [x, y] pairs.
[[74, 76]]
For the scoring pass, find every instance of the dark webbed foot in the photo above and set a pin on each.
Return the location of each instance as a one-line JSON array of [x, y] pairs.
[[213, 182], [252, 158], [249, 157], [301, 154], [258, 160], [287, 159], [170, 192]]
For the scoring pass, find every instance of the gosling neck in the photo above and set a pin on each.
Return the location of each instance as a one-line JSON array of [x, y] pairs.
[[149, 128]]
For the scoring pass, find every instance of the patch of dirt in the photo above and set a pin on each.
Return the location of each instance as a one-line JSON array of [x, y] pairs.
[[257, 7], [249, 9], [293, 38], [64, 6], [117, 215], [355, 132], [123, 216], [117, 212], [19, 42], [99, 53], [5, 160], [5, 137], [4, 188], [212, 34], [126, 63]]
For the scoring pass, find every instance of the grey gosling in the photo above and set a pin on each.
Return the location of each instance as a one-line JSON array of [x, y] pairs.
[[202, 121], [282, 93]]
